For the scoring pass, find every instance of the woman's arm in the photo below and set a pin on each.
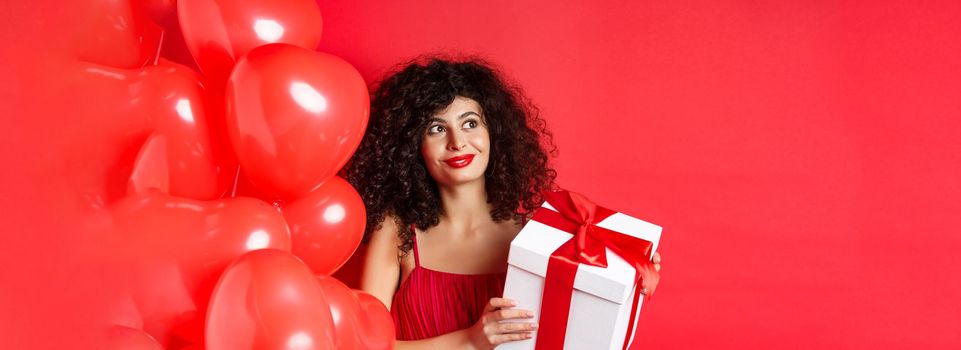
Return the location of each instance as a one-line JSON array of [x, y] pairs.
[[381, 272]]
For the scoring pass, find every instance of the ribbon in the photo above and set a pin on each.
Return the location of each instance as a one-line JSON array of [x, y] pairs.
[[577, 215]]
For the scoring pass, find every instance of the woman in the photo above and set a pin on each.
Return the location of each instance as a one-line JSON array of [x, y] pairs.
[[452, 164]]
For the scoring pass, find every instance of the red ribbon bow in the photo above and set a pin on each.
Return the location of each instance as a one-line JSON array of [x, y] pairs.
[[577, 215]]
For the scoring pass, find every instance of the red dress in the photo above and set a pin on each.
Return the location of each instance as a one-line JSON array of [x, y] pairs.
[[431, 303]]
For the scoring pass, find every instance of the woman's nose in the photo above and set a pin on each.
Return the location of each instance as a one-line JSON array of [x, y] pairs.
[[455, 141]]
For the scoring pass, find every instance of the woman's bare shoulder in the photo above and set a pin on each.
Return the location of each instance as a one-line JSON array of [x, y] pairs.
[[386, 237], [381, 266]]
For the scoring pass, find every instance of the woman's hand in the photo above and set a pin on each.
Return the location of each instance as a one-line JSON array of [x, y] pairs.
[[649, 285], [656, 259], [489, 331]]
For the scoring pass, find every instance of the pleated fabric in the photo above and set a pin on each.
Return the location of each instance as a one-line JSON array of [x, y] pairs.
[[432, 303]]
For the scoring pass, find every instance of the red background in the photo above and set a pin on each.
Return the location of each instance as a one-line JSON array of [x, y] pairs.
[[803, 157]]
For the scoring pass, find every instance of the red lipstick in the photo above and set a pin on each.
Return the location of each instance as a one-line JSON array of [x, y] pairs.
[[460, 161]]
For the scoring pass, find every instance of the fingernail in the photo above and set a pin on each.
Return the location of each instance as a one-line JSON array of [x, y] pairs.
[[513, 303], [529, 314], [533, 326]]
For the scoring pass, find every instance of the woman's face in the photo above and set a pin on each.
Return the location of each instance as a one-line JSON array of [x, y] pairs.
[[456, 143]]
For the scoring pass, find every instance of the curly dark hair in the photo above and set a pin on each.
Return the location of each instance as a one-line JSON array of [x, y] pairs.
[[389, 172]]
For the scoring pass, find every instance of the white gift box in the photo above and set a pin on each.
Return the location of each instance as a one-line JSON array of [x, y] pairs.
[[603, 297]]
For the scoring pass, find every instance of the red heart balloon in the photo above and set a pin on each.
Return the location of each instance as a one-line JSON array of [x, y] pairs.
[[268, 299], [294, 117], [378, 326], [174, 106], [106, 116], [174, 250], [360, 324], [326, 225], [219, 32]]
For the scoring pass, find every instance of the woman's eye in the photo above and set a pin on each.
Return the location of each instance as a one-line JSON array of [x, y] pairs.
[[470, 124], [434, 129]]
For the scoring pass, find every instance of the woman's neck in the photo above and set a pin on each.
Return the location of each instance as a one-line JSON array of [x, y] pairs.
[[465, 205]]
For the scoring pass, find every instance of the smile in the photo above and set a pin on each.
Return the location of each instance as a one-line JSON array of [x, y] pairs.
[[460, 161]]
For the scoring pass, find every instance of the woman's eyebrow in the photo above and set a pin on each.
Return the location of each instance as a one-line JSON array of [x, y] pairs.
[[465, 114], [462, 116]]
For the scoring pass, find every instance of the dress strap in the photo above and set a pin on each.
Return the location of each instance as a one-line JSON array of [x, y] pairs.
[[413, 229]]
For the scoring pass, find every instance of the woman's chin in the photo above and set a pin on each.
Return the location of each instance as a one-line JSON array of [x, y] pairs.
[[462, 178]]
